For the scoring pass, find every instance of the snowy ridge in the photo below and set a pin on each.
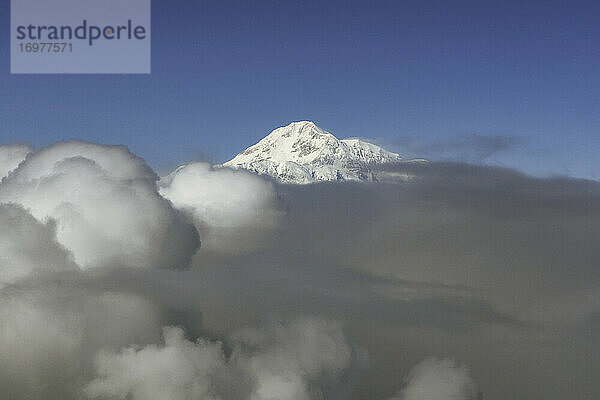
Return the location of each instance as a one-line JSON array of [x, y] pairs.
[[302, 153]]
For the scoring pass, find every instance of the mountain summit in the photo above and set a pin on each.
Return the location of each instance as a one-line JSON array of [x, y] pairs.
[[301, 153]]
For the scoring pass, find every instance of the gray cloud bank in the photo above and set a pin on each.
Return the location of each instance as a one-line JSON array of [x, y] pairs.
[[446, 281], [467, 147]]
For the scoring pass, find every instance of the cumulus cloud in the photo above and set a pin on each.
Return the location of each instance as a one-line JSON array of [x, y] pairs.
[[231, 208], [435, 379], [73, 207], [105, 205], [51, 330], [11, 156], [301, 360], [27, 246]]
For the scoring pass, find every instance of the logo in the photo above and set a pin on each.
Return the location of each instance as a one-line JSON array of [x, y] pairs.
[[80, 36], [82, 32]]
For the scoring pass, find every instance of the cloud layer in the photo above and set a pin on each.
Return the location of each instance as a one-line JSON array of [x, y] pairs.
[[106, 294]]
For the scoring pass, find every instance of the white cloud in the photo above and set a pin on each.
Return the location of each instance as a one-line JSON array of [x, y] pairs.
[[228, 206], [27, 246], [435, 379], [50, 332], [295, 361], [105, 204], [11, 156]]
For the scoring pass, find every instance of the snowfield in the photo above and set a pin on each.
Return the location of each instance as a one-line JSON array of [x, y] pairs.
[[302, 153]]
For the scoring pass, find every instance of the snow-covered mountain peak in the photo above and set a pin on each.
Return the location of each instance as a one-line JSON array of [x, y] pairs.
[[301, 152]]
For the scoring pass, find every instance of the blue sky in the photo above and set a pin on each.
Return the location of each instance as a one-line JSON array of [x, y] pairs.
[[225, 73]]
